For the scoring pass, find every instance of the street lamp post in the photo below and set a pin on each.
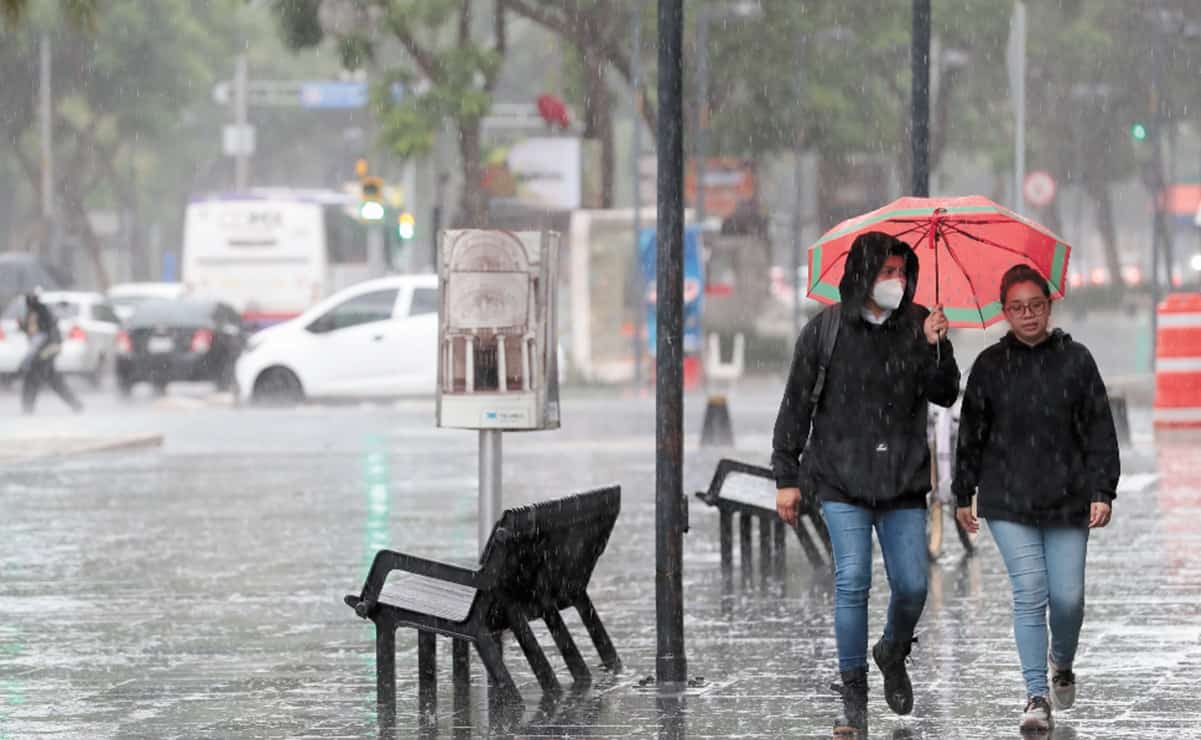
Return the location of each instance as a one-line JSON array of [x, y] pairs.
[[920, 111], [636, 287], [705, 16], [799, 180]]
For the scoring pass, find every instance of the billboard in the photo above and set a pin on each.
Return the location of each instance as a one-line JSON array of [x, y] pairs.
[[545, 172], [694, 287]]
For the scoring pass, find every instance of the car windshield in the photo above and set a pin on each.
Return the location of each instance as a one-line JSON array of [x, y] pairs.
[[172, 313]]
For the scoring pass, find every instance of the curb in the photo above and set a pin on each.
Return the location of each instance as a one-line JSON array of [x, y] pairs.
[[56, 448]]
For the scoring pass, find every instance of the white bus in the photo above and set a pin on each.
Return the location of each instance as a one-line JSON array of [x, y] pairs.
[[273, 253]]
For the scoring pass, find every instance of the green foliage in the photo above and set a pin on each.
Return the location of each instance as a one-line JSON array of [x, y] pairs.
[[299, 25]]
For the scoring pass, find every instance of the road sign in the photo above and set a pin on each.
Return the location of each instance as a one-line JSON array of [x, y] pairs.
[[333, 94], [1039, 188], [238, 141]]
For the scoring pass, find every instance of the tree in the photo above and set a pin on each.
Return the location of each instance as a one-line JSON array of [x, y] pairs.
[[452, 58], [598, 31], [120, 83]]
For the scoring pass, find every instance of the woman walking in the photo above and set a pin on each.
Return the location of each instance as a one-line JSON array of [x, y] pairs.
[[1037, 448]]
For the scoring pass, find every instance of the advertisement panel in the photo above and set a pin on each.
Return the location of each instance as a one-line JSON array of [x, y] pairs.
[[694, 287]]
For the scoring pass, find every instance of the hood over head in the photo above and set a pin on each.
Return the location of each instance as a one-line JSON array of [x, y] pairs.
[[868, 254]]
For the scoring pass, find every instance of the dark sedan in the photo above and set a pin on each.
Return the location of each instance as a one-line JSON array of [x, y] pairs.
[[185, 340]]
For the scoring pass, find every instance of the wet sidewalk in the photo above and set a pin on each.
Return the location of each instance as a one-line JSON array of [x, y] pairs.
[[195, 591]]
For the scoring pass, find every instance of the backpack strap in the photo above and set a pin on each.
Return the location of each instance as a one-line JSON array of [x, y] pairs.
[[829, 322]]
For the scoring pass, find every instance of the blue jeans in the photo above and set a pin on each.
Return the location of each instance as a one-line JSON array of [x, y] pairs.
[[902, 535], [1046, 569]]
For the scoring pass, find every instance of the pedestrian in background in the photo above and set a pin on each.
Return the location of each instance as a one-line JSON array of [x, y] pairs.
[[37, 368], [1037, 448], [854, 413]]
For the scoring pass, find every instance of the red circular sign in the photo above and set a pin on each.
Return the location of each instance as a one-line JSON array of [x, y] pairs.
[[1039, 188]]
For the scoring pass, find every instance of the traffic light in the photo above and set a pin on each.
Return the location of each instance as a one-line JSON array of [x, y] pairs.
[[1138, 131], [371, 191], [406, 226]]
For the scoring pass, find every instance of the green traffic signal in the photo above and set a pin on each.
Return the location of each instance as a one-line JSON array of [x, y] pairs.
[[406, 226], [1139, 132], [371, 211]]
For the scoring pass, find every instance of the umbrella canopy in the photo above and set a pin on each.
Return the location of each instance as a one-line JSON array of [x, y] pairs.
[[964, 246]]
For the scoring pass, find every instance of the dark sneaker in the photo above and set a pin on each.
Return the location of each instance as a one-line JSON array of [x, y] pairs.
[[852, 723], [898, 691], [1063, 686], [1036, 718]]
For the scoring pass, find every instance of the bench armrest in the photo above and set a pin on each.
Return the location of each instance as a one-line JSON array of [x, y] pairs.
[[387, 561], [724, 468]]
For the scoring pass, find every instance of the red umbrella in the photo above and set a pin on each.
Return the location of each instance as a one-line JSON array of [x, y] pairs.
[[964, 244]]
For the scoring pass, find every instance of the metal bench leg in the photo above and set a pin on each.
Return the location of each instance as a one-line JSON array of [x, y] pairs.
[[807, 544], [596, 630], [727, 546], [571, 654], [461, 664], [533, 651], [385, 674], [427, 674], [494, 663], [744, 542], [765, 558], [781, 560], [819, 526]]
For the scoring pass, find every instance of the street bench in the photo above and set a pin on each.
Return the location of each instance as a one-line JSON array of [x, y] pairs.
[[537, 562], [749, 491]]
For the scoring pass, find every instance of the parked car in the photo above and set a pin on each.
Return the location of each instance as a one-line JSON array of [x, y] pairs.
[[89, 327], [126, 297], [185, 340], [373, 340]]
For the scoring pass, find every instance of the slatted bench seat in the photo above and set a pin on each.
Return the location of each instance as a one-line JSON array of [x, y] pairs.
[[538, 561], [749, 491]]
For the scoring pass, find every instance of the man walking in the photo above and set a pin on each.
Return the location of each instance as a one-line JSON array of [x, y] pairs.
[[38, 369], [851, 431]]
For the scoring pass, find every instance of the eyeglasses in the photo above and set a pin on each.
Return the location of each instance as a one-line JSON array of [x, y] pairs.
[[1036, 307]]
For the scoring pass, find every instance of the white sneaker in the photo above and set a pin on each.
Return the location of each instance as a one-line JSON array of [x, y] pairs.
[[1036, 718], [1063, 686]]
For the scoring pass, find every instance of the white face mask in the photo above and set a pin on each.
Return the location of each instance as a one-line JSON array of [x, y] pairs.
[[888, 294]]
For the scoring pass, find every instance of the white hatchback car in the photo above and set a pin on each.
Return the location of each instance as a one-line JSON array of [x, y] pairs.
[[89, 328], [377, 339]]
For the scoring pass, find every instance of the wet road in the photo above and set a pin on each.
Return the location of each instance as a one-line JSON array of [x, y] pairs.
[[195, 591]]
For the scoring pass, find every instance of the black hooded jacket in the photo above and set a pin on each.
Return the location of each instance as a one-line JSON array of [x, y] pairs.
[[1036, 436], [868, 441]]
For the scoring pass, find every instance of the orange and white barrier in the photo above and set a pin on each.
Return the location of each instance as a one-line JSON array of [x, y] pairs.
[[1178, 362]]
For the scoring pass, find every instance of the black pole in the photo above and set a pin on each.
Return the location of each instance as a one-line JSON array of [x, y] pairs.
[[671, 667], [920, 113], [798, 175], [702, 114], [1156, 188], [636, 280]]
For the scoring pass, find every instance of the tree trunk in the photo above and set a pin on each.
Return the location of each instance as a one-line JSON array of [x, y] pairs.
[[473, 207], [1099, 191], [77, 216], [598, 120]]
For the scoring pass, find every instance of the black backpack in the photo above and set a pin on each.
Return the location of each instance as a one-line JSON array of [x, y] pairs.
[[827, 336]]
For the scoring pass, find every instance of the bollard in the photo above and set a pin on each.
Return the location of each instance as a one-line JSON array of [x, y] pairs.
[[716, 429], [1178, 362]]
